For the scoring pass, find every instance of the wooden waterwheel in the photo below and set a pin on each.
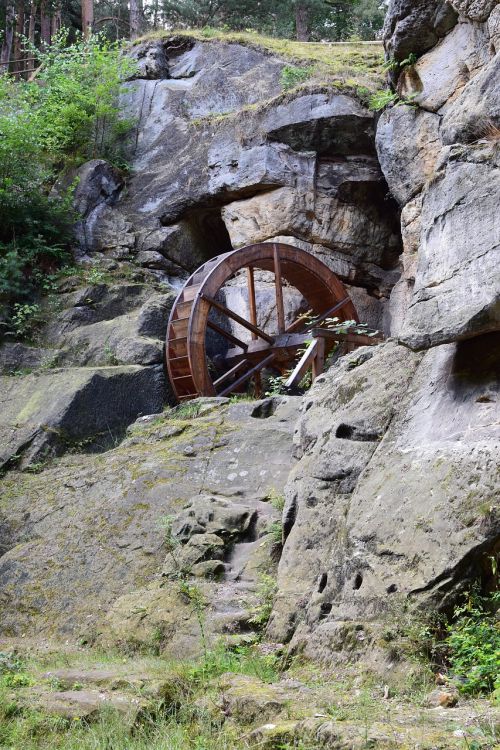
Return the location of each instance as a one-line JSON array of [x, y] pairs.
[[198, 310]]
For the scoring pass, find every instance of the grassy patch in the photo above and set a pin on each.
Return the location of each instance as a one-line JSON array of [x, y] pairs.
[[353, 64]]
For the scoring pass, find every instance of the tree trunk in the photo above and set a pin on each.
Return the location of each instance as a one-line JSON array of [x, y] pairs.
[[302, 21], [55, 22], [32, 23], [87, 17], [44, 24], [19, 64], [8, 38], [136, 18]]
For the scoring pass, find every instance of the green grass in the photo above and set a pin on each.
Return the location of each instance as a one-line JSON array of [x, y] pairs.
[[354, 65]]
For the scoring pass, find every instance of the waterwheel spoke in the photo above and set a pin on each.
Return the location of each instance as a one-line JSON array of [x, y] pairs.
[[229, 374], [280, 308], [229, 336], [253, 320], [247, 375], [237, 318]]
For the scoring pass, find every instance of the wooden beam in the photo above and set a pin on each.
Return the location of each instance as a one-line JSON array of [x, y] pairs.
[[229, 336], [230, 373], [280, 309], [318, 364], [360, 339], [247, 375], [237, 318], [304, 364], [253, 320]]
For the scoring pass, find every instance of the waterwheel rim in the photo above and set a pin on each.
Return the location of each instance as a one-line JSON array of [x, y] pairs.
[[189, 319]]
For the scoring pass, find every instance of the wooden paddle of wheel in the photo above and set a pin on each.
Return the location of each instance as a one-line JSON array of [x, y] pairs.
[[190, 318]]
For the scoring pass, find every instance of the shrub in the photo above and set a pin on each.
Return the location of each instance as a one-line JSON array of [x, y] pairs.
[[291, 76], [69, 114], [473, 644]]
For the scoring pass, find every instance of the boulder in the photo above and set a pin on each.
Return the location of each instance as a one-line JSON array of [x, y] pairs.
[[44, 414], [150, 60], [408, 145], [457, 287], [416, 26], [475, 10]]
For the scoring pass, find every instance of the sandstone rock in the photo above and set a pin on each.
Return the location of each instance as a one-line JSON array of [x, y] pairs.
[[248, 699], [401, 295], [326, 220], [441, 73], [105, 230], [95, 537], [150, 59], [494, 29], [84, 704], [415, 27], [380, 541], [43, 414], [442, 698], [468, 117], [456, 293], [17, 357], [325, 123], [408, 145], [152, 259], [476, 10]]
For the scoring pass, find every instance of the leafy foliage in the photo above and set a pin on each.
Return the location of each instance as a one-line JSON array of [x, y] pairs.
[[70, 113], [291, 76], [473, 644], [333, 20]]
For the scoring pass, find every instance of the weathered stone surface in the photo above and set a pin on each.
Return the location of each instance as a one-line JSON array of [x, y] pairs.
[[95, 537], [250, 700], [476, 10], [371, 493], [345, 214], [494, 29], [408, 145], [323, 123], [469, 117], [83, 704], [415, 27], [41, 414], [16, 357], [150, 59], [457, 286], [441, 73], [401, 295]]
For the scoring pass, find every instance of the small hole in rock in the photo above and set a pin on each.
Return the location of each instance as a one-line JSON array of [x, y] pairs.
[[344, 432], [392, 588], [358, 580], [322, 583], [325, 609]]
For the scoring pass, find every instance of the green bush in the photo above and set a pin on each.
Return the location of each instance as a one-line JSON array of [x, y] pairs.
[[69, 114], [291, 76], [473, 645]]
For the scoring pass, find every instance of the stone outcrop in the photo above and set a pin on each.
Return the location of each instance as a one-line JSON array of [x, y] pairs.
[[380, 505], [442, 151], [98, 533]]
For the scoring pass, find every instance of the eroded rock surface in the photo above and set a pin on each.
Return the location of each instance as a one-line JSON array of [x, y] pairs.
[[97, 534], [395, 496]]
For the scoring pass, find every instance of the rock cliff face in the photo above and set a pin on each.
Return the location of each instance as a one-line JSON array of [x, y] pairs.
[[389, 464], [396, 489]]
